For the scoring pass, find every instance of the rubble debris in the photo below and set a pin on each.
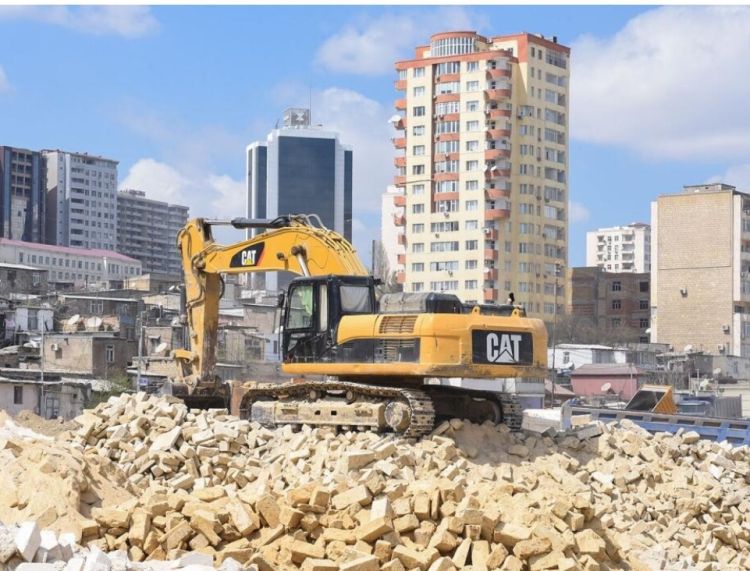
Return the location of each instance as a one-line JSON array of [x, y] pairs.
[[204, 488]]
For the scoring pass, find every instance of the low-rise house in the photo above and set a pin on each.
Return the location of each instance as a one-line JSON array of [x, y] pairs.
[[99, 354], [50, 399], [608, 379]]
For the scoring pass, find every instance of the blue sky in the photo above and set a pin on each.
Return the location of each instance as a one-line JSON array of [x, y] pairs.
[[658, 98]]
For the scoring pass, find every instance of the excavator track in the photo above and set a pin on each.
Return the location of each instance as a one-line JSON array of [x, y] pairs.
[[418, 422]]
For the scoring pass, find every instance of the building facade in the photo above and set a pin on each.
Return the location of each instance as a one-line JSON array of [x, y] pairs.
[[700, 274], [300, 170], [621, 248], [71, 268], [22, 195], [614, 304], [482, 156], [392, 237], [81, 203], [147, 231]]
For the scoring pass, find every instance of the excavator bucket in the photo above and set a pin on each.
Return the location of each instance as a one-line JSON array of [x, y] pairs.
[[653, 398]]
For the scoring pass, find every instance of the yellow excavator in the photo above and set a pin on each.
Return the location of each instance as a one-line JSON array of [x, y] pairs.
[[357, 361]]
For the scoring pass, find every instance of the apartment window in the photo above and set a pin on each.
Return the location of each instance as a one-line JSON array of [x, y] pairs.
[[643, 287], [447, 88], [472, 65], [448, 226], [472, 185], [471, 224], [418, 111], [470, 284], [472, 125], [446, 186], [417, 228], [616, 304], [417, 208], [444, 285], [472, 205], [472, 105], [418, 72], [616, 322], [472, 244], [472, 86], [417, 248], [643, 323], [18, 395], [20, 256], [450, 246], [643, 304], [444, 266], [616, 286], [417, 286], [448, 67], [417, 189], [446, 147], [417, 169], [97, 306], [417, 267], [472, 145], [417, 130], [110, 353], [418, 91], [445, 107], [446, 206], [417, 150], [470, 265]]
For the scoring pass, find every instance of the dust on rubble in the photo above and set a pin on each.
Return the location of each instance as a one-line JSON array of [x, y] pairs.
[[48, 427]]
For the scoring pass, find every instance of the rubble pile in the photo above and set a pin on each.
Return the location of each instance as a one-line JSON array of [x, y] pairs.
[[468, 496]]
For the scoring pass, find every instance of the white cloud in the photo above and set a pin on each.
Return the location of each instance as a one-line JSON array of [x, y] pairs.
[[4, 83], [126, 21], [372, 47], [159, 180], [736, 175], [230, 198], [669, 84], [577, 212]]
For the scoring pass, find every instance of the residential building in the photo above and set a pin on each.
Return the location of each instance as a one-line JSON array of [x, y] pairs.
[[299, 169], [483, 160], [22, 195], [99, 313], [59, 398], [615, 305], [81, 204], [71, 268], [98, 354], [22, 279], [392, 236], [621, 248], [147, 231], [154, 282], [612, 380], [700, 275]]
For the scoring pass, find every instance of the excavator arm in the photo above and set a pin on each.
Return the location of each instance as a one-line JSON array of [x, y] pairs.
[[289, 243]]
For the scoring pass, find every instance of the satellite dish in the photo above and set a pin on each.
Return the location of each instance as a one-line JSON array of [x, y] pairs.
[[395, 119], [93, 322], [161, 348], [74, 320], [606, 387], [688, 348], [704, 385]]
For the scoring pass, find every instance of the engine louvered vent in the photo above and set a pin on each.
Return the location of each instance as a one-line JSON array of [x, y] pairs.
[[398, 324]]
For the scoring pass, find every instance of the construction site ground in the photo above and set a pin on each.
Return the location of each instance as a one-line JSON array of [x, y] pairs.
[[145, 483]]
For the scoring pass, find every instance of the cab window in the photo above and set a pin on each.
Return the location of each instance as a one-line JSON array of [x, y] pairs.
[[355, 299], [300, 314]]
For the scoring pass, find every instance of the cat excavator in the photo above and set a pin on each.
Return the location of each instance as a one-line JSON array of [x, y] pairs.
[[356, 361]]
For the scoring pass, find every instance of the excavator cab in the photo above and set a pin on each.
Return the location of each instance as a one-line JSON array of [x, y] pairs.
[[312, 309]]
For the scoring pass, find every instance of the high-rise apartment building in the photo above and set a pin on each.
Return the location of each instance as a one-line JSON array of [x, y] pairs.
[[700, 271], [299, 169], [22, 195], [392, 238], [483, 161], [620, 249], [81, 200], [147, 231]]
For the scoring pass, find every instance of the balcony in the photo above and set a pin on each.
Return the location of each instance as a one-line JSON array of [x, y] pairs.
[[399, 200], [490, 253], [489, 294], [448, 137], [498, 73], [400, 124], [400, 277], [399, 162], [498, 133], [399, 220], [495, 193], [496, 154], [399, 142], [497, 113], [440, 176], [401, 239], [490, 274], [438, 196], [449, 117], [490, 234], [400, 85], [494, 173], [447, 78], [399, 180], [400, 104], [447, 97], [496, 213], [497, 93], [401, 259]]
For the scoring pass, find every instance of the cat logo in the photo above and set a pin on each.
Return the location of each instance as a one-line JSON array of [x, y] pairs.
[[502, 347], [249, 257]]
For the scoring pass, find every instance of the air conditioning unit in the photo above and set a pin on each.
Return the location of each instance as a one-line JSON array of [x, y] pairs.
[[725, 328], [683, 291], [487, 231], [54, 347], [721, 348]]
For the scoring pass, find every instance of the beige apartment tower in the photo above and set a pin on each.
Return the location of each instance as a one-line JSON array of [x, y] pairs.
[[482, 162], [700, 270]]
